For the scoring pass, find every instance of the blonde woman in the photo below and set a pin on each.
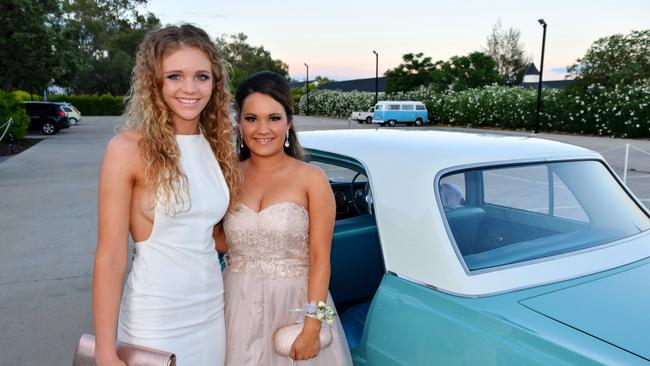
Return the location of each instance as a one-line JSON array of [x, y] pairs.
[[166, 180]]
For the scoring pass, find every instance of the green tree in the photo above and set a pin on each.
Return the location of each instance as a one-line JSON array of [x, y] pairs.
[[319, 81], [614, 60], [465, 72], [29, 37], [245, 59], [506, 49], [413, 72], [107, 34], [86, 46]]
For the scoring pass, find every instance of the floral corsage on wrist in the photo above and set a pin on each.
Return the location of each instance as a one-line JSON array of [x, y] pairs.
[[320, 311]]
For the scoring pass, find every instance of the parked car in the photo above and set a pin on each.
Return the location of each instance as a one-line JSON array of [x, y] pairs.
[[73, 114], [47, 117], [394, 112], [471, 249], [362, 117]]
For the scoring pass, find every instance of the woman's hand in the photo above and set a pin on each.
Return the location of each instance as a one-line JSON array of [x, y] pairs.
[[307, 344], [109, 360]]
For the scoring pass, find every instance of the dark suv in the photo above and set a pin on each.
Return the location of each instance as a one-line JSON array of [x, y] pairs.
[[47, 117]]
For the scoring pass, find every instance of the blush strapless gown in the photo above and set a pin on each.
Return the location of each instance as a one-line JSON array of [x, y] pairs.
[[266, 278]]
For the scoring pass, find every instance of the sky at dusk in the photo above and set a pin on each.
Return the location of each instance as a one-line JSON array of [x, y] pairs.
[[336, 37]]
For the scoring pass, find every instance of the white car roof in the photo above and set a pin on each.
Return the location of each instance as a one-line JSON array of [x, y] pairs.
[[399, 102], [445, 149], [402, 166]]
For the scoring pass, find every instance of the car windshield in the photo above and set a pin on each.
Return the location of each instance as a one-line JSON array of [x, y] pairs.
[[507, 215]]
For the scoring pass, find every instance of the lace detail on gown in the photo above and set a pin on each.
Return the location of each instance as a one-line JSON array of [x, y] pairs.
[[276, 241]]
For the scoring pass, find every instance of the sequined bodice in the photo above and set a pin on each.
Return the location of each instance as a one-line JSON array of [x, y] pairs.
[[274, 240]]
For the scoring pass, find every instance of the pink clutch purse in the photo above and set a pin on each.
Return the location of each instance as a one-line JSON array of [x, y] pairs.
[[131, 354], [284, 337]]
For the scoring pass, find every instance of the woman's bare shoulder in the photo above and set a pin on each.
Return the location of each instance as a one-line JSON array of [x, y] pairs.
[[311, 174], [124, 148]]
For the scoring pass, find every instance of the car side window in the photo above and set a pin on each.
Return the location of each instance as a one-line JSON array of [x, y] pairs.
[[393, 107], [351, 190], [407, 107], [419, 107], [36, 107]]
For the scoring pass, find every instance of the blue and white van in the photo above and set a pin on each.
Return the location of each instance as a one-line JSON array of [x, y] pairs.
[[393, 112]]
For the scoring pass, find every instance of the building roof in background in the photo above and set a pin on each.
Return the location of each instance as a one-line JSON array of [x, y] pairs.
[[365, 85], [532, 70]]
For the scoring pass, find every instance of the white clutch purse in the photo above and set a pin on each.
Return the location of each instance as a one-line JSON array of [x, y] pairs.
[[284, 337]]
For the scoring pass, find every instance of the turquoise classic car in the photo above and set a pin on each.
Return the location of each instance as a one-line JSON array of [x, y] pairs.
[[470, 249]]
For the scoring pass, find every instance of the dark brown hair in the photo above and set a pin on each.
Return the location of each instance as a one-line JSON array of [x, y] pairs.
[[276, 87]]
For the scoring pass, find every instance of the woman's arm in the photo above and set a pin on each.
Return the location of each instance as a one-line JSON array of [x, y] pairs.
[[116, 181], [219, 238], [322, 213]]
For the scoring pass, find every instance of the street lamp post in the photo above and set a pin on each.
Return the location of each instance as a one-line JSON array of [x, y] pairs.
[[307, 87], [539, 83], [376, 75]]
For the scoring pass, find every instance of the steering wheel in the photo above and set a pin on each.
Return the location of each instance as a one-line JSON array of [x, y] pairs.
[[354, 197]]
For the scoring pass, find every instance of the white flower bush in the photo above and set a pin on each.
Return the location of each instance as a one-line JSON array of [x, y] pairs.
[[623, 111], [335, 103]]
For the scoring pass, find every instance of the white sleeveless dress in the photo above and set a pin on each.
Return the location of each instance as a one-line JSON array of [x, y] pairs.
[[173, 297]]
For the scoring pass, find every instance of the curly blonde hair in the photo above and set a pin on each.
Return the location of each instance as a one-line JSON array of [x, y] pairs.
[[147, 113]]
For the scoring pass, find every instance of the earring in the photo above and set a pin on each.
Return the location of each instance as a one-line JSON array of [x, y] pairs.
[[241, 139], [286, 141]]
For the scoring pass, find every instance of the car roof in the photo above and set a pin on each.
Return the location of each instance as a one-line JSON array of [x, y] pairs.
[[399, 102], [446, 148], [402, 167]]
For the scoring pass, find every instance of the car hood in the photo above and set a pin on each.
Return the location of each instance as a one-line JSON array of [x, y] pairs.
[[613, 308]]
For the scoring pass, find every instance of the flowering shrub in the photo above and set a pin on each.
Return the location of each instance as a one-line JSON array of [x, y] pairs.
[[622, 111], [335, 103]]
